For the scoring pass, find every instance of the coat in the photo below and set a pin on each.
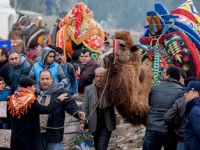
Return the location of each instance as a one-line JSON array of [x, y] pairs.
[[25, 133], [161, 98], [192, 129], [87, 75], [89, 102], [5, 93], [175, 117], [56, 118], [69, 71]]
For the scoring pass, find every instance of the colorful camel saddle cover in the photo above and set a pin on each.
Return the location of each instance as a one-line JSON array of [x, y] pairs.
[[168, 41], [80, 27]]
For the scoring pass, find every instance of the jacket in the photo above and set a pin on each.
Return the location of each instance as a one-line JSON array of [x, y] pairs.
[[5, 93], [192, 128], [57, 117], [175, 117], [69, 71], [87, 75], [161, 98], [89, 102]]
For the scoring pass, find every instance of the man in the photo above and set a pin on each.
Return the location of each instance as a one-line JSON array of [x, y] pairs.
[[87, 72], [102, 120], [53, 129], [192, 129], [19, 67], [25, 109], [175, 115], [183, 76], [48, 62], [161, 98], [68, 69]]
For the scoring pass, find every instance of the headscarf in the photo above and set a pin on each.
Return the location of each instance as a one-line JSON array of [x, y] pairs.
[[20, 101]]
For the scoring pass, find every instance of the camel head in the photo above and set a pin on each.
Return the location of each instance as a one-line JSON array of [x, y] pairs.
[[120, 50], [124, 48]]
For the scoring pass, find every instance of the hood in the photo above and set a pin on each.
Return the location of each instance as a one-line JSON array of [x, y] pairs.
[[23, 58], [45, 52]]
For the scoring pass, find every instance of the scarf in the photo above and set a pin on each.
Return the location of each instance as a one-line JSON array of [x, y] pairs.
[[103, 103], [52, 89], [20, 101]]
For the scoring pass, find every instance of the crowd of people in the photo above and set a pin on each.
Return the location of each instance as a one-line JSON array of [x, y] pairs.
[[39, 94], [40, 90]]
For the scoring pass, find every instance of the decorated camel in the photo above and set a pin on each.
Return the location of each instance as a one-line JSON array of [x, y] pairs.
[[129, 81], [168, 41], [173, 39], [78, 30], [25, 32]]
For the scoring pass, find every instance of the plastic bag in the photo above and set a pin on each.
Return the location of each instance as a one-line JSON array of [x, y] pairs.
[[83, 141]]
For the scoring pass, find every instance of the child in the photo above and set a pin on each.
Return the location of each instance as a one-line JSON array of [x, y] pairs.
[[5, 91]]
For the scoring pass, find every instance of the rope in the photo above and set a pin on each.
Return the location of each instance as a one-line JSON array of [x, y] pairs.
[[53, 128]]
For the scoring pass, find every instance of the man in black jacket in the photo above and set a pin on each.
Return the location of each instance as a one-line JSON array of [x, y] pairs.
[[52, 126], [87, 71], [161, 98]]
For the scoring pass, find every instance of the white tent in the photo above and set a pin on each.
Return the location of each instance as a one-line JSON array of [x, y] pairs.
[[8, 17]]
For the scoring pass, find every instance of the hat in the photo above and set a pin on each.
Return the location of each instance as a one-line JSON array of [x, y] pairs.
[[101, 71], [27, 81], [193, 85]]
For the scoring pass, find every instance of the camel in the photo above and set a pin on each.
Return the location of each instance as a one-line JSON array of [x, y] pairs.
[[25, 32], [129, 80]]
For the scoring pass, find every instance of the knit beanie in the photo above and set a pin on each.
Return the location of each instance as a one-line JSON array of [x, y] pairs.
[[26, 81]]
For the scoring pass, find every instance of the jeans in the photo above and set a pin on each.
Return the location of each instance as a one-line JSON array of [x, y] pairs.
[[154, 140], [54, 146], [101, 138], [180, 146]]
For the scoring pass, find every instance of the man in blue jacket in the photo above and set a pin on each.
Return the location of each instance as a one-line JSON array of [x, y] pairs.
[[192, 125], [48, 62]]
